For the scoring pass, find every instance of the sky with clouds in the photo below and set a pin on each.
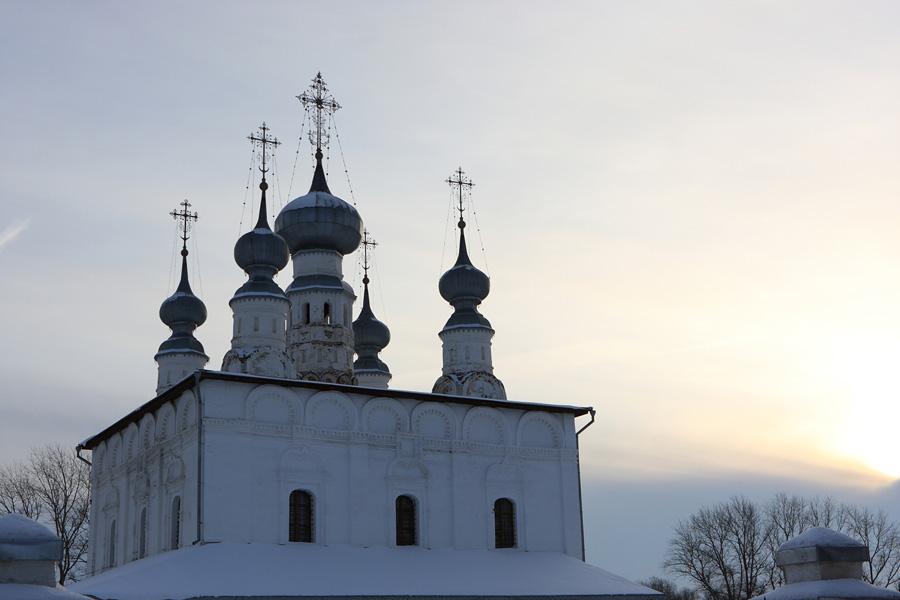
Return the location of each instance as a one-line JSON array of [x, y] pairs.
[[689, 212]]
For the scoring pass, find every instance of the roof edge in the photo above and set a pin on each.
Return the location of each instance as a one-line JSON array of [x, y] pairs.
[[190, 381]]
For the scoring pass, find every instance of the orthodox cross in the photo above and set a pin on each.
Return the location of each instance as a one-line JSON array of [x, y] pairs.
[[464, 185], [367, 242], [319, 99], [263, 140], [184, 218]]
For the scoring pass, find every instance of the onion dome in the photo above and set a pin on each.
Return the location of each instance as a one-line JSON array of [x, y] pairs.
[[464, 287], [261, 253], [320, 220], [183, 312], [370, 336]]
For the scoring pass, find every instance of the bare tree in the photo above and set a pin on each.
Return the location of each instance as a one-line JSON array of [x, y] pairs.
[[883, 538], [669, 590], [17, 494], [728, 550], [52, 487], [722, 549]]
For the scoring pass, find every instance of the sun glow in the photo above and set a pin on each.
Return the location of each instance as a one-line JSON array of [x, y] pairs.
[[866, 369]]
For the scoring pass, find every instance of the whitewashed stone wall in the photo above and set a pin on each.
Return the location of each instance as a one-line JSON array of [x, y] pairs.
[[354, 452], [144, 466]]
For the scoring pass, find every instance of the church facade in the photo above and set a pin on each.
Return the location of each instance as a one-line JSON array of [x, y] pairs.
[[295, 445], [226, 457]]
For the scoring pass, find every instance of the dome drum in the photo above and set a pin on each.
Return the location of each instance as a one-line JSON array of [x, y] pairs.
[[319, 282], [259, 288], [181, 344]]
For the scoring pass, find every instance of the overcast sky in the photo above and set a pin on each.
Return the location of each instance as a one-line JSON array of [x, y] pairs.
[[689, 212]]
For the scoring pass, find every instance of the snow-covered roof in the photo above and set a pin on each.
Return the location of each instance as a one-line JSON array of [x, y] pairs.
[[821, 537], [830, 589], [24, 539], [821, 545], [310, 571]]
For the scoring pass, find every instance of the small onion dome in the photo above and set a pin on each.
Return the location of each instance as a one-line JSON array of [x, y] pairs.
[[464, 281], [261, 253], [182, 312], [464, 287], [320, 220], [369, 332], [261, 247]]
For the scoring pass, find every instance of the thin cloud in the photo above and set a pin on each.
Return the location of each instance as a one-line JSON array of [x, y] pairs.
[[8, 235]]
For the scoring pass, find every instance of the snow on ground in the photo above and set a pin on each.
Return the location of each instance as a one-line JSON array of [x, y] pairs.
[[232, 569]]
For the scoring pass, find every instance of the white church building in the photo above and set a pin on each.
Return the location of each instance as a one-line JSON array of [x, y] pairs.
[[296, 472]]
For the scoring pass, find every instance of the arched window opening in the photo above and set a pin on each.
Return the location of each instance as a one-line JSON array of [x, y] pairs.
[[301, 525], [326, 313], [504, 523], [175, 538], [111, 558], [142, 536], [306, 313], [406, 521]]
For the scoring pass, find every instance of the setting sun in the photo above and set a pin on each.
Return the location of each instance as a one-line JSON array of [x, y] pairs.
[[865, 367]]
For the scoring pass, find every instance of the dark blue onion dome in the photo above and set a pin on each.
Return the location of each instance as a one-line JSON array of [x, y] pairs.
[[370, 336], [261, 253], [319, 220], [464, 287], [183, 312]]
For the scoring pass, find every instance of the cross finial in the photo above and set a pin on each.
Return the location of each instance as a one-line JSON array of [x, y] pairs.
[[317, 98], [184, 218], [367, 242], [463, 184], [263, 140]]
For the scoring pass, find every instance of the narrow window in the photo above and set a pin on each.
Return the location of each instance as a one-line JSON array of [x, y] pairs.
[[346, 314], [176, 523], [111, 559], [504, 524], [406, 521], [300, 526], [239, 326], [326, 313], [467, 353], [306, 313], [255, 323], [142, 544], [482, 353], [274, 327]]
